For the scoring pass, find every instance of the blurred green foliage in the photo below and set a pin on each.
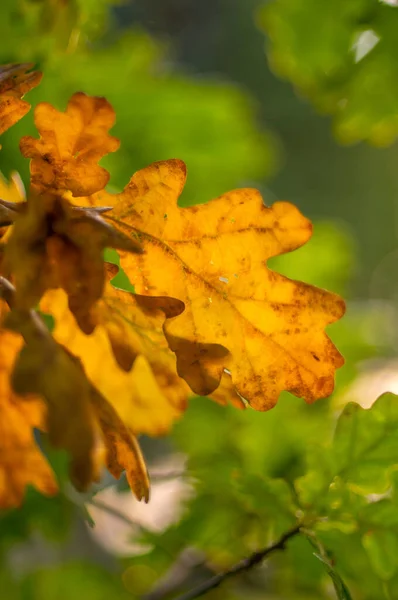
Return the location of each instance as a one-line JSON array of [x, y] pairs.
[[252, 475], [160, 113], [67, 581], [342, 55], [239, 506]]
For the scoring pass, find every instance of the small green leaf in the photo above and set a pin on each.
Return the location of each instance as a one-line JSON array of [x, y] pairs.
[[381, 515], [339, 585], [270, 500], [362, 457], [320, 472], [382, 549], [365, 446], [321, 554]]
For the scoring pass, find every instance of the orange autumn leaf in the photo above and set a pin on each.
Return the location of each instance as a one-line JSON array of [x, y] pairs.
[[21, 462], [45, 369], [71, 143], [267, 330], [226, 393], [15, 81], [48, 247], [122, 449], [12, 194], [140, 379], [148, 395], [77, 415], [209, 315]]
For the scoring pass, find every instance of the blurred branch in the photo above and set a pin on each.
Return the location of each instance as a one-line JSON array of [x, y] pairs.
[[244, 565], [115, 513]]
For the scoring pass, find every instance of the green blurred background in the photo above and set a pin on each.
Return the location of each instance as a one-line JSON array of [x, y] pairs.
[[191, 80]]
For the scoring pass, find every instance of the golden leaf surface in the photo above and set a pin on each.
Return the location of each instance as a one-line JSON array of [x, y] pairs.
[[148, 395], [21, 462], [71, 143], [46, 369], [12, 194], [12, 190], [267, 330], [15, 81], [140, 379]]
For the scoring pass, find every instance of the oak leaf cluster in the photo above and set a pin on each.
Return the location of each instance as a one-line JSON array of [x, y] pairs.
[[208, 316]]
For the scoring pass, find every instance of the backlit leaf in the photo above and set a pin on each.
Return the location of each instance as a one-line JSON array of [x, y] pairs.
[[65, 156], [21, 462], [44, 368], [147, 393], [78, 416], [267, 330], [140, 379], [15, 82]]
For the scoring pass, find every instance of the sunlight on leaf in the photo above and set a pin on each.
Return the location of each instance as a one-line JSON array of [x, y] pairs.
[[140, 379], [15, 82], [78, 416], [266, 330], [21, 462], [70, 145]]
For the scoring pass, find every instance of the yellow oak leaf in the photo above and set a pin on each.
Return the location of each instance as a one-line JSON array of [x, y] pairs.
[[267, 330], [12, 194], [54, 244], [21, 462], [71, 143], [77, 416], [140, 379], [44, 368], [148, 395], [122, 450], [15, 81], [226, 393]]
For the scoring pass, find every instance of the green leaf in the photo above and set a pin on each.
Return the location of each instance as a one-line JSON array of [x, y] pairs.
[[363, 455], [365, 446], [382, 549], [270, 500], [381, 514], [321, 554], [354, 72], [320, 470], [339, 585]]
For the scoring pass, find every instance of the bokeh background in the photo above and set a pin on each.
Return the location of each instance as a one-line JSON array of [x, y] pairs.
[[299, 100]]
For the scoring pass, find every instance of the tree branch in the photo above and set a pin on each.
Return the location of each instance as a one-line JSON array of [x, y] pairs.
[[114, 512], [243, 565]]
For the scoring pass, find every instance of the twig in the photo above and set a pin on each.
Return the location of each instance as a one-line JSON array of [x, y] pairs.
[[114, 512], [243, 565]]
